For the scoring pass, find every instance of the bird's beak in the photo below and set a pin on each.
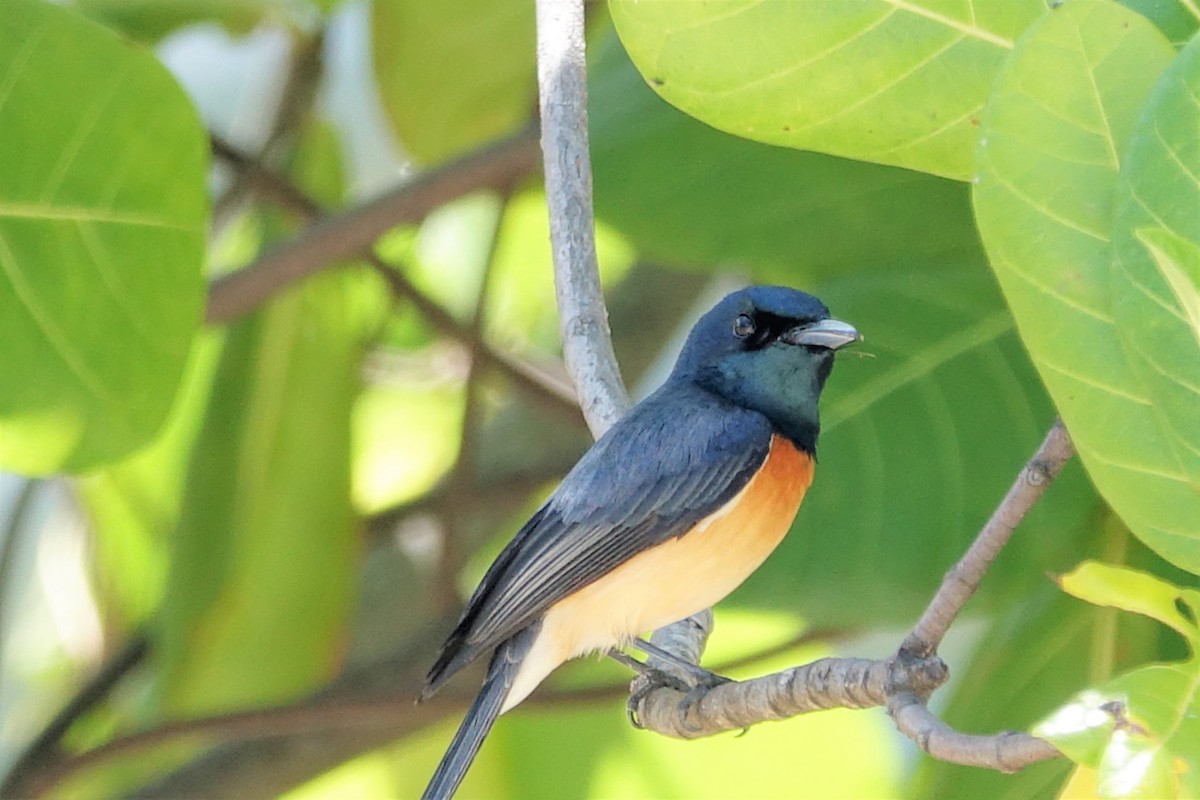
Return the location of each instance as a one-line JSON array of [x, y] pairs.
[[830, 333]]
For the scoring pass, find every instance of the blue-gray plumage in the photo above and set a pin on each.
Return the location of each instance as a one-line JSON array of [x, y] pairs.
[[701, 479]]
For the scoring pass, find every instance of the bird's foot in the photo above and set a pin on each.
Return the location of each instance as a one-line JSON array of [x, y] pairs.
[[698, 675], [647, 681]]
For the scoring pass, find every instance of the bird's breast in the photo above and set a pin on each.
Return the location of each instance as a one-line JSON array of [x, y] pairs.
[[683, 575]]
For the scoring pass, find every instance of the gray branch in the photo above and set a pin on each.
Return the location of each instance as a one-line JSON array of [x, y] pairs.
[[583, 319], [902, 683], [960, 583]]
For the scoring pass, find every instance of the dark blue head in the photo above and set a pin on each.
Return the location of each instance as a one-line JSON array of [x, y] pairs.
[[768, 349]]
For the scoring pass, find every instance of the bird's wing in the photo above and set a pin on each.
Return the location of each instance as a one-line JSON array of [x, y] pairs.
[[665, 466]]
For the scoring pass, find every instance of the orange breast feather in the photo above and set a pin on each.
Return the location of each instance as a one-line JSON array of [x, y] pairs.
[[675, 579]]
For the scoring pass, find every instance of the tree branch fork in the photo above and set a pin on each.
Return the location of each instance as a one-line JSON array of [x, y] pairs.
[[901, 684]]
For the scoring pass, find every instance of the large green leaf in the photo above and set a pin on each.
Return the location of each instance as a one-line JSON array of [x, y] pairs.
[[1155, 285], [898, 83], [103, 209], [918, 445], [1048, 162], [689, 194], [262, 562], [454, 73]]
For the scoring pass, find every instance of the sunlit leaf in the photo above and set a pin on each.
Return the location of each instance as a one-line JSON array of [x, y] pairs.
[[103, 210], [1130, 590], [453, 74], [1141, 731], [1048, 161], [893, 83], [405, 439], [1156, 268]]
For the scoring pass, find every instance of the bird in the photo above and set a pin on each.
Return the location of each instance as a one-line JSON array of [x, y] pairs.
[[665, 514]]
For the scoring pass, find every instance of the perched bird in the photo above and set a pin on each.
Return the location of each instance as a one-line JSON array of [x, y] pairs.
[[667, 513]]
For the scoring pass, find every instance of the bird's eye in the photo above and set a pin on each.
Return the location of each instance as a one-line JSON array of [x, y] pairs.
[[743, 326]]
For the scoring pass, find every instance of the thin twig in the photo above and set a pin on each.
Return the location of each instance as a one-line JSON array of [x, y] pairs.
[[347, 234], [583, 319], [396, 713], [901, 683], [40, 756], [461, 482], [963, 580], [296, 95]]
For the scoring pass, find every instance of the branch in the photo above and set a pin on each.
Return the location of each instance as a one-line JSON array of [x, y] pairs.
[[461, 481], [901, 683], [583, 319], [345, 235], [357, 708], [44, 752], [961, 582], [289, 196]]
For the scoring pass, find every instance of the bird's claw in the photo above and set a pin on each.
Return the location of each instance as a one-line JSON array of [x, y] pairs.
[[646, 682]]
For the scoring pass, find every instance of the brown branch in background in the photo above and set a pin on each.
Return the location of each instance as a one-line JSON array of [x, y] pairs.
[[461, 482], [296, 95], [45, 752], [583, 319], [526, 376], [346, 235], [901, 683], [359, 708]]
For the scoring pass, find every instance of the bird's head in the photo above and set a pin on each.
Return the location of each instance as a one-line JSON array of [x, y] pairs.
[[768, 349]]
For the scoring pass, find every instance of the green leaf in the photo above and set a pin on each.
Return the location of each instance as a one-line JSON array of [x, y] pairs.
[[1155, 272], [1130, 590], [689, 194], [1048, 161], [103, 212], [263, 561], [1027, 661], [1141, 731], [454, 73], [132, 505], [889, 82]]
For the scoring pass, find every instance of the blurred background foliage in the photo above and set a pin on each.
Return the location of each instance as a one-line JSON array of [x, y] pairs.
[[265, 570]]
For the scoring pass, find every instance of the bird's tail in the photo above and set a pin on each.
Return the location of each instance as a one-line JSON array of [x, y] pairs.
[[483, 712]]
